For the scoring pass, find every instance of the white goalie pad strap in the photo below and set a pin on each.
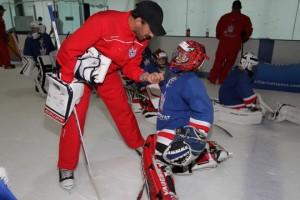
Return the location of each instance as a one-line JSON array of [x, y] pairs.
[[62, 98], [153, 91], [241, 116], [28, 65]]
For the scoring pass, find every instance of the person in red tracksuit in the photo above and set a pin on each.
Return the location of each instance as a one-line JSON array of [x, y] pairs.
[[122, 37], [4, 53], [232, 30]]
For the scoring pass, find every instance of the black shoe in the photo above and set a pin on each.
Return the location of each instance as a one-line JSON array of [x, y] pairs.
[[11, 67]]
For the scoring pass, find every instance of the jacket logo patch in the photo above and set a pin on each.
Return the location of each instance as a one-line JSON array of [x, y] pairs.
[[132, 52]]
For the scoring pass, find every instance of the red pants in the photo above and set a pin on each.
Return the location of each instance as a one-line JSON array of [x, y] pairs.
[[224, 61], [113, 94], [4, 53]]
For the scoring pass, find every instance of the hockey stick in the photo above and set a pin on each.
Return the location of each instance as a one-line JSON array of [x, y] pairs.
[[17, 54], [223, 129], [140, 195], [49, 4], [85, 155]]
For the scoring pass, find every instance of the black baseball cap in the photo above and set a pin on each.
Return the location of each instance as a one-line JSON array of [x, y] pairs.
[[152, 13], [236, 5], [1, 8]]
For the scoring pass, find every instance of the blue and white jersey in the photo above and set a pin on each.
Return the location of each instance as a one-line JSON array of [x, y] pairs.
[[38, 47], [236, 91], [183, 101]]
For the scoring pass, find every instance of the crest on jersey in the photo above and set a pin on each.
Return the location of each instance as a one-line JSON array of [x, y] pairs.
[[132, 52]]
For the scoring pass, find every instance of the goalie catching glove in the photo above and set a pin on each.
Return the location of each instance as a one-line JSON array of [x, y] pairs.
[[92, 67], [187, 145]]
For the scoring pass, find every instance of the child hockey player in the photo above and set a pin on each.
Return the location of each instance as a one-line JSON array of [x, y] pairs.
[[38, 43], [143, 97], [236, 91], [185, 114]]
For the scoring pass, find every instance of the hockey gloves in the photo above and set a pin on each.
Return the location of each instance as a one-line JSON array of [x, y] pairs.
[[92, 67], [187, 145]]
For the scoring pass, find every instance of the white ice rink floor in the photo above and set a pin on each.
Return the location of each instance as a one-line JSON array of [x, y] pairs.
[[264, 166]]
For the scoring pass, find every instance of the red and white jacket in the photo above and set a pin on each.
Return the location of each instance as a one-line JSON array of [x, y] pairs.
[[110, 34]]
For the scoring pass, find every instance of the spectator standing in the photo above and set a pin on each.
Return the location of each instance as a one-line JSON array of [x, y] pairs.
[[4, 53], [232, 30]]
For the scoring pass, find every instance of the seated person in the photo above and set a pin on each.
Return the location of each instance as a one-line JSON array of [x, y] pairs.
[[38, 42], [158, 62], [138, 96], [236, 91], [185, 115], [146, 57]]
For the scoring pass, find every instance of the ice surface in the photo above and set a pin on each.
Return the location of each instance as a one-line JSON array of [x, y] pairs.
[[264, 166]]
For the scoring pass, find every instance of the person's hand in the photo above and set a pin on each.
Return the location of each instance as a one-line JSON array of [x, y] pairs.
[[154, 77]]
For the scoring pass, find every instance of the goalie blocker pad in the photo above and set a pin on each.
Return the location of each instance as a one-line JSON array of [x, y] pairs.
[[61, 99], [160, 183]]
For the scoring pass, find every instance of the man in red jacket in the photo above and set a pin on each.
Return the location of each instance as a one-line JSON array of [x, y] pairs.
[[4, 53], [122, 37], [232, 30]]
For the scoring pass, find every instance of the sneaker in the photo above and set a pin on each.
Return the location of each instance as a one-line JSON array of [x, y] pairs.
[[66, 179]]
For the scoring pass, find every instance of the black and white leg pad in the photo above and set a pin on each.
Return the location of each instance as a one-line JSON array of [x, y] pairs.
[[62, 98], [28, 65]]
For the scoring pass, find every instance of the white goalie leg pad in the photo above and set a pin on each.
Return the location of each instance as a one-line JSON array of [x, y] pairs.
[[292, 113], [286, 112], [153, 91], [62, 98], [28, 65], [242, 116]]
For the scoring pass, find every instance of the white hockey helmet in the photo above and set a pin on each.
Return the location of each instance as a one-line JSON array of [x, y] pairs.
[[248, 61], [35, 24], [35, 29]]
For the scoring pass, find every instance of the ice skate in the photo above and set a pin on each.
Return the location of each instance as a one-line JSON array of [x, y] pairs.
[[66, 179]]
